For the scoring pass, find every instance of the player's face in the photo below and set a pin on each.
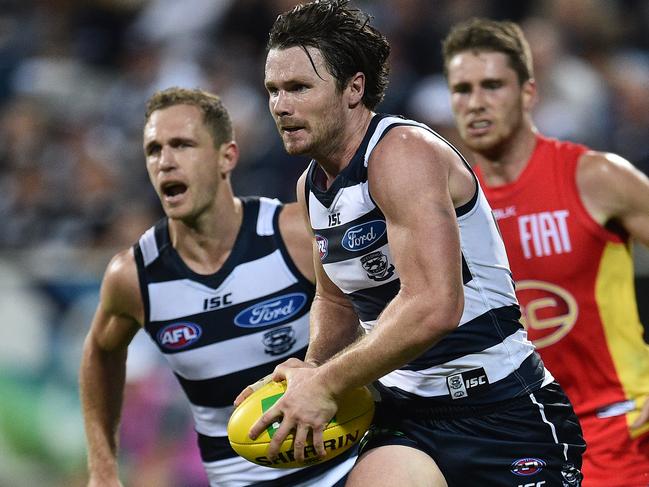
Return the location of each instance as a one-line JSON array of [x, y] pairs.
[[304, 101], [181, 160], [487, 99]]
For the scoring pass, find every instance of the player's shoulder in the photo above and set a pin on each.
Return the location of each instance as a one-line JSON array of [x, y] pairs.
[[598, 168], [293, 226], [412, 141], [120, 286], [605, 182]]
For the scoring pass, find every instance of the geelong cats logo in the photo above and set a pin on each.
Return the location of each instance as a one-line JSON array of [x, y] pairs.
[[377, 266]]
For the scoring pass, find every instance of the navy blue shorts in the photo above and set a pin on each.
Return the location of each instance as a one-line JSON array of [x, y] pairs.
[[533, 440]]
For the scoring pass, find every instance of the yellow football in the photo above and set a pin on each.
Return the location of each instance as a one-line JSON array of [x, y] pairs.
[[353, 418]]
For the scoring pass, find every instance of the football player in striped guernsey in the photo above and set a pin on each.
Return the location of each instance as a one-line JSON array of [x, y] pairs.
[[223, 286], [405, 243]]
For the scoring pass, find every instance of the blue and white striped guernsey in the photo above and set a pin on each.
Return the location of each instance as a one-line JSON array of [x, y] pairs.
[[223, 331], [488, 357]]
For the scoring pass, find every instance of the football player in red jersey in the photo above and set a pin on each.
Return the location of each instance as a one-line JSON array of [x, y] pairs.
[[568, 215]]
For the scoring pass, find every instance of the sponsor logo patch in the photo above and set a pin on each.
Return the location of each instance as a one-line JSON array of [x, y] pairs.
[[377, 266], [279, 340], [525, 467], [469, 382], [177, 336], [360, 237], [271, 311], [323, 246]]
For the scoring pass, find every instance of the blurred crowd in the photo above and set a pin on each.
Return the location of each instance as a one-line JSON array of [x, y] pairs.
[[74, 78]]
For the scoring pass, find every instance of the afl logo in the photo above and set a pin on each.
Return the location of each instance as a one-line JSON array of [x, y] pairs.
[[362, 236], [323, 246], [179, 335], [271, 311], [549, 312], [525, 467]]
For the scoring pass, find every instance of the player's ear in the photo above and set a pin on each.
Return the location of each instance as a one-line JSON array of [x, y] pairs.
[[529, 94], [228, 157], [355, 90]]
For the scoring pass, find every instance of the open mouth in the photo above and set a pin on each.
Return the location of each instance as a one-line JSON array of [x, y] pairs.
[[173, 189]]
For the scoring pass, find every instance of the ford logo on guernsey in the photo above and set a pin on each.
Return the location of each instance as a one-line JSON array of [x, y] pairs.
[[362, 236], [271, 311], [179, 335]]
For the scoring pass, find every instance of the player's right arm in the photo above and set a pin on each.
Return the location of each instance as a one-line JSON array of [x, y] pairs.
[[333, 322], [103, 365]]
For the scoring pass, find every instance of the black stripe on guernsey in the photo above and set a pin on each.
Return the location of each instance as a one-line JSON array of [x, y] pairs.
[[524, 380], [215, 448], [221, 391], [335, 250], [481, 333], [369, 303], [208, 321], [466, 272]]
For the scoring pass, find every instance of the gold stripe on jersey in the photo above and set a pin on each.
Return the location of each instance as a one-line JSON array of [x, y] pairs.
[[622, 327]]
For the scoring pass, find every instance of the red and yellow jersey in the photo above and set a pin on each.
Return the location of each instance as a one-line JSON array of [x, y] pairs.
[[574, 281]]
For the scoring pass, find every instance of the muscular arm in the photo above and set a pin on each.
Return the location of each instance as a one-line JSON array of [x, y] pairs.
[[613, 190], [333, 321], [103, 365], [409, 175]]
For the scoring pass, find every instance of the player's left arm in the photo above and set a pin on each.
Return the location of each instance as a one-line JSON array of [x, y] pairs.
[[612, 189]]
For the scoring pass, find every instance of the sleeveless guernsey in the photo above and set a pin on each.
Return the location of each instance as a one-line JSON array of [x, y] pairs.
[[223, 331], [574, 280], [488, 357]]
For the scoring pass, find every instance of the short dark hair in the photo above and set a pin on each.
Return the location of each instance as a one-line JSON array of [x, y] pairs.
[[215, 116], [344, 36], [480, 34]]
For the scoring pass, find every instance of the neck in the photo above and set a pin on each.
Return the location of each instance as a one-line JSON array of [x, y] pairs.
[[342, 148], [505, 165], [205, 242]]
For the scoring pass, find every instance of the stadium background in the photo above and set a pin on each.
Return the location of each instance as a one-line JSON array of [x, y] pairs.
[[74, 76]]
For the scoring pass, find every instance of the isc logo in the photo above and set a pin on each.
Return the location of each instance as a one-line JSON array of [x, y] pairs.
[[476, 381], [179, 335], [459, 385], [217, 301]]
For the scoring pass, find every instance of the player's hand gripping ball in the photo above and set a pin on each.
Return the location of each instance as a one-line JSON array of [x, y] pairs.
[[346, 428]]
